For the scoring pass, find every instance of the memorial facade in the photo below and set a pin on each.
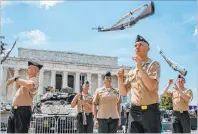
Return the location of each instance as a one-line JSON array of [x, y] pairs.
[[61, 70]]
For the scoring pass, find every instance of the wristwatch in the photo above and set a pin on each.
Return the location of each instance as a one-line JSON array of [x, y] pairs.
[[16, 78]]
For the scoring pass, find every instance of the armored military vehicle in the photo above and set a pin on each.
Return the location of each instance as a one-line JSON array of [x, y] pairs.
[[53, 113]]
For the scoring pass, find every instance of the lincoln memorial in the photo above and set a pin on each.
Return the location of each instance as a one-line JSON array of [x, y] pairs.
[[61, 70]]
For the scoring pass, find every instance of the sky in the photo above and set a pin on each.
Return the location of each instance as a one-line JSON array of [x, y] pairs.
[[67, 26]]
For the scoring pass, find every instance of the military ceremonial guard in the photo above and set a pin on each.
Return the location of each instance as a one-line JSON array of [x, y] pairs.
[[106, 107], [83, 100], [21, 112], [143, 81], [181, 97], [143, 114]]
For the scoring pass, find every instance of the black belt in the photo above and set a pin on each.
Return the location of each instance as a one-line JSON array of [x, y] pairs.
[[86, 113], [144, 107], [179, 112], [21, 107]]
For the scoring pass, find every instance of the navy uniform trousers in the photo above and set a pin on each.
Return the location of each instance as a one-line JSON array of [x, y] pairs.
[[19, 119], [108, 125], [85, 128], [181, 122], [144, 119]]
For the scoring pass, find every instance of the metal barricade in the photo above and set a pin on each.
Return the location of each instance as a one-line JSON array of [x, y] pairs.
[[66, 124], [42, 124], [52, 124]]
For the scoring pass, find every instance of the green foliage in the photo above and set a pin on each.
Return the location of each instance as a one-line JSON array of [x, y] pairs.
[[166, 103]]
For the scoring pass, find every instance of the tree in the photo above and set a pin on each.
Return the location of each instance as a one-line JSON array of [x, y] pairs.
[[166, 103]]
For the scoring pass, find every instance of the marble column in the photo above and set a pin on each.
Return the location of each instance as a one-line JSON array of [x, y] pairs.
[[65, 79], [4, 81], [53, 79], [77, 80], [99, 80], [40, 89], [89, 79]]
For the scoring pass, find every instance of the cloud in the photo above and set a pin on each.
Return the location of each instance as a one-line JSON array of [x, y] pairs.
[[48, 4], [40, 4], [196, 30], [5, 21], [34, 37]]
